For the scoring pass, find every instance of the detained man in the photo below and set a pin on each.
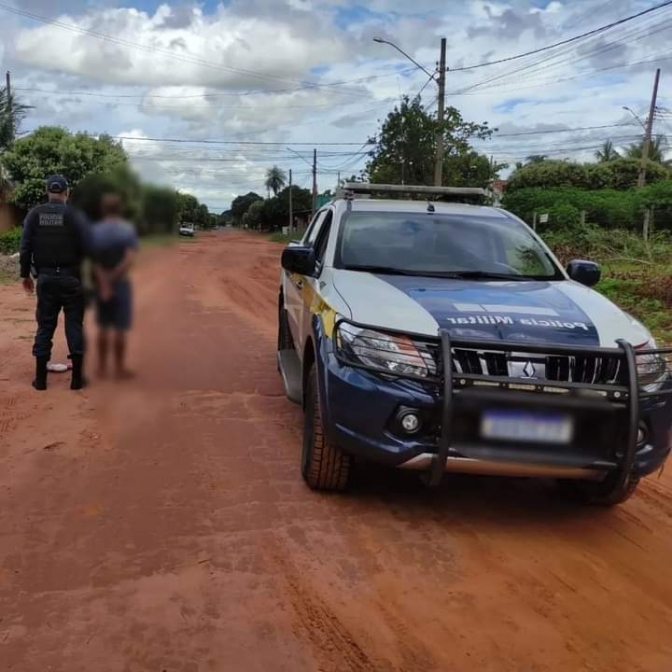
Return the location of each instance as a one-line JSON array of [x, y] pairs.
[[115, 244]]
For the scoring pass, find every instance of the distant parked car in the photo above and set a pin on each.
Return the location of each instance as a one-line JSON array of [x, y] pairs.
[[187, 230]]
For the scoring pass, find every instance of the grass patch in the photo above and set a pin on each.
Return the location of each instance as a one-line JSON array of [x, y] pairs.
[[7, 278], [636, 276], [279, 237], [162, 240]]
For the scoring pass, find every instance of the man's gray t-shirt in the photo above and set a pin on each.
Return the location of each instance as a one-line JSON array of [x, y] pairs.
[[111, 239]]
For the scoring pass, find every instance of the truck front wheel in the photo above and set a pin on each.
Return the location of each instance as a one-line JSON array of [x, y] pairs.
[[602, 493], [324, 466]]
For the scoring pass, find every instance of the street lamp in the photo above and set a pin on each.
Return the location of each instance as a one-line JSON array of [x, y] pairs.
[[380, 40], [441, 81], [641, 123]]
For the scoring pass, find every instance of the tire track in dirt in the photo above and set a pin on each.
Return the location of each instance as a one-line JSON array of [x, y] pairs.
[[317, 623]]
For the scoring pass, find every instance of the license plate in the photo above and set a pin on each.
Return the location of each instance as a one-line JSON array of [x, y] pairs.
[[526, 427]]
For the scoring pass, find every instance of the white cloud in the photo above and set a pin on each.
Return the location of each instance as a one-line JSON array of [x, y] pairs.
[[241, 72]]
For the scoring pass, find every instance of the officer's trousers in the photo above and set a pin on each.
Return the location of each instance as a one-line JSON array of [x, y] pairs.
[[53, 293]]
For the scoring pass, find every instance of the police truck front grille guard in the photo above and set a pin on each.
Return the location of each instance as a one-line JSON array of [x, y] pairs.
[[620, 363]]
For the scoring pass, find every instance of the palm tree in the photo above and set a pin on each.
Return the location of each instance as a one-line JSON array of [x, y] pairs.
[[12, 113], [657, 150], [607, 153], [275, 180]]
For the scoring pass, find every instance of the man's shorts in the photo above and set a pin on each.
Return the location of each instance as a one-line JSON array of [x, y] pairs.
[[116, 313]]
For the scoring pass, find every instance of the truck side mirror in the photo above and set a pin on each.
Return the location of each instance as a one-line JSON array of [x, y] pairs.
[[299, 259], [588, 273]]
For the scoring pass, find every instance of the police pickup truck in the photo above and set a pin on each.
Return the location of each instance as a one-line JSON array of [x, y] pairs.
[[438, 336]]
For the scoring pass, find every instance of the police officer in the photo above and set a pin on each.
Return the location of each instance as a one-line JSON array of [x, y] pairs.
[[55, 240]]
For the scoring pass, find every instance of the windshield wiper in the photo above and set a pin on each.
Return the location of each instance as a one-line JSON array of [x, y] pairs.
[[384, 270], [483, 275], [457, 275]]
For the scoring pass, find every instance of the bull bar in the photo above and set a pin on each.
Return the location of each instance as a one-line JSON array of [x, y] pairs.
[[456, 386]]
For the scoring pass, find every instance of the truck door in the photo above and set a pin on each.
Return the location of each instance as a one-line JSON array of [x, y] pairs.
[[293, 288], [319, 243]]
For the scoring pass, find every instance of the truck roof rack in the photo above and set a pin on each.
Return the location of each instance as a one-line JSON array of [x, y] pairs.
[[352, 189]]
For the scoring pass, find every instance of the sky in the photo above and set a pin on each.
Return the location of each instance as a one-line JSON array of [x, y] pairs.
[[266, 81]]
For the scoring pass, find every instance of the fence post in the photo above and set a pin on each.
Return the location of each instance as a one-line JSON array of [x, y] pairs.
[[645, 227], [534, 221], [583, 217]]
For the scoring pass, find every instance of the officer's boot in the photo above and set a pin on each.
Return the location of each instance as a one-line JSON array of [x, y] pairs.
[[78, 380], [40, 382]]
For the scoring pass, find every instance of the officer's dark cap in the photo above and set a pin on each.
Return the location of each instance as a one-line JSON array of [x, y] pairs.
[[57, 184]]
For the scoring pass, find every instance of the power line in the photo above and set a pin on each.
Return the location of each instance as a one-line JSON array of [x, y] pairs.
[[534, 69], [583, 17], [549, 82], [570, 40], [637, 33], [238, 142], [221, 94], [560, 130]]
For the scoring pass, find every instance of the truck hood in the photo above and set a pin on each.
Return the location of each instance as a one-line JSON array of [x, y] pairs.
[[564, 313]]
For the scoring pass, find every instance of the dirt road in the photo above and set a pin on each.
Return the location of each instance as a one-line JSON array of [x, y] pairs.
[[164, 526]]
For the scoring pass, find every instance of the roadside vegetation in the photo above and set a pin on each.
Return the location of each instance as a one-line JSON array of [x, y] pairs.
[[636, 275]]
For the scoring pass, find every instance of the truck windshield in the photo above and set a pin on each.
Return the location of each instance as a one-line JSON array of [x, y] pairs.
[[443, 245]]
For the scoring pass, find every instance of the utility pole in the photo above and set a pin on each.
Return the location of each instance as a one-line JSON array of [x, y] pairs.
[[8, 89], [646, 148], [291, 204], [438, 169], [641, 181], [314, 181]]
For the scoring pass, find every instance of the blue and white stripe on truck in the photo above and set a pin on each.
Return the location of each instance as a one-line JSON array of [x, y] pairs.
[[563, 313]]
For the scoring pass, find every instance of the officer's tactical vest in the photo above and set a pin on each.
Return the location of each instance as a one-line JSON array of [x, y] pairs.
[[56, 241]]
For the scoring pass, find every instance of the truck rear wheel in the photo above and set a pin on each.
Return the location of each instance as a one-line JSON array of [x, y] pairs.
[[602, 493], [324, 466]]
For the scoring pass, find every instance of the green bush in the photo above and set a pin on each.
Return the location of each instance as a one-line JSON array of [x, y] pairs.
[[563, 216], [606, 207], [10, 241], [620, 174]]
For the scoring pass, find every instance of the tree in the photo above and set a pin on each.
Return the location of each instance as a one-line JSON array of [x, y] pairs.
[[275, 180], [5, 185], [203, 216], [405, 148], [160, 209], [241, 204], [50, 150], [88, 192], [276, 210], [12, 113], [253, 218], [187, 208], [607, 152], [536, 158]]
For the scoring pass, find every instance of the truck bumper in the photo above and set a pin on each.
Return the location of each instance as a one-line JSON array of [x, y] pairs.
[[364, 419]]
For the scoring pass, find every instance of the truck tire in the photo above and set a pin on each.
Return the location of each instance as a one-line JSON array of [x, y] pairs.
[[603, 493], [324, 466]]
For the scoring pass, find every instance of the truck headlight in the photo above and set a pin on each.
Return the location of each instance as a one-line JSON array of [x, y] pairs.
[[388, 353], [651, 368]]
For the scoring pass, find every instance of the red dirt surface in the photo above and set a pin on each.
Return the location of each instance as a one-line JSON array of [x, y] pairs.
[[164, 526]]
